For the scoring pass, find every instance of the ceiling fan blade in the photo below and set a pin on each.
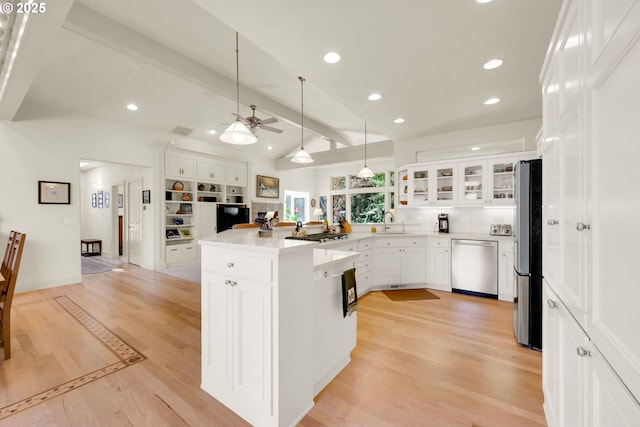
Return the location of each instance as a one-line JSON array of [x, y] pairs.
[[270, 129], [269, 121]]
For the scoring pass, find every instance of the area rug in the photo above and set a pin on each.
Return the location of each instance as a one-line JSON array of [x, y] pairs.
[[92, 266], [79, 331], [410, 295]]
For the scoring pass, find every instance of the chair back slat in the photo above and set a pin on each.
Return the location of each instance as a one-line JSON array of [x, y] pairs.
[[7, 254], [7, 293]]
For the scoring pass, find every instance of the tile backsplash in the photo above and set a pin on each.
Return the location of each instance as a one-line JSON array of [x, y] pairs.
[[461, 220]]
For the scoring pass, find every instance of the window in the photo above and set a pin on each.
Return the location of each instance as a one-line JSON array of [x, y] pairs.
[[365, 200], [295, 206]]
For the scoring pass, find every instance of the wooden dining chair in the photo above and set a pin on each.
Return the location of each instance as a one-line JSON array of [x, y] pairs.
[[286, 224], [7, 253], [248, 225], [7, 292]]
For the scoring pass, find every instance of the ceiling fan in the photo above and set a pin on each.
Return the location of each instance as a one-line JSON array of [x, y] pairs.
[[255, 122]]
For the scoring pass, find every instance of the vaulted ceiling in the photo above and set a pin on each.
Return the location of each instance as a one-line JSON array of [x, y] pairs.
[[175, 59]]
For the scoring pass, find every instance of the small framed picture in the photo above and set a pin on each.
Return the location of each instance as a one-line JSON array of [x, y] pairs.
[[186, 233], [267, 186], [120, 201], [94, 200], [173, 233], [100, 199], [146, 197], [54, 193]]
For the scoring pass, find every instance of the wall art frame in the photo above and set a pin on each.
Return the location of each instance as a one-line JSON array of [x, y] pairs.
[[54, 193], [267, 186]]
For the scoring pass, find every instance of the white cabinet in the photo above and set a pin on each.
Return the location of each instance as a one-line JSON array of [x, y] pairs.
[[210, 170], [487, 182], [439, 263], [236, 173], [550, 358], [364, 270], [179, 165], [236, 327], [431, 185], [473, 182], [505, 270], [400, 261], [180, 253]]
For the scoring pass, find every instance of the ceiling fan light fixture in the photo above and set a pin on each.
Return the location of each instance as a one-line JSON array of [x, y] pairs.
[[238, 133], [302, 156], [365, 172]]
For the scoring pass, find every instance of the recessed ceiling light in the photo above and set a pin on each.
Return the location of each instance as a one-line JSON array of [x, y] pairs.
[[269, 148], [83, 164], [483, 1], [475, 148], [132, 107], [399, 120], [494, 63], [374, 97], [212, 131], [332, 57], [491, 101]]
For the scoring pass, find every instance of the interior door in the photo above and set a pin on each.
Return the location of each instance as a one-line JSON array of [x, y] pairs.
[[134, 224]]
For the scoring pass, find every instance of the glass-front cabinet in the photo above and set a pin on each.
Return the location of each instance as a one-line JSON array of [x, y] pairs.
[[446, 184], [403, 187], [473, 185], [420, 185], [487, 182], [501, 181], [430, 185]]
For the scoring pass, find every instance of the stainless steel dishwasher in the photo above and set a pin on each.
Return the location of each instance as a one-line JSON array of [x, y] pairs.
[[474, 267]]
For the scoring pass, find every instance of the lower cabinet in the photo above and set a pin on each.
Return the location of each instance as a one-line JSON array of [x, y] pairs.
[[505, 271], [439, 263], [237, 327], [400, 261], [180, 253], [364, 270], [579, 386]]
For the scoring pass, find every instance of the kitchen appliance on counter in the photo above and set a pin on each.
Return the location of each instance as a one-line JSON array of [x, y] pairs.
[[527, 239], [474, 267], [443, 223], [501, 230], [320, 237]]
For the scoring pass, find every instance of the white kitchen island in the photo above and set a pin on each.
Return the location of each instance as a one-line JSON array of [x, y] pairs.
[[272, 335]]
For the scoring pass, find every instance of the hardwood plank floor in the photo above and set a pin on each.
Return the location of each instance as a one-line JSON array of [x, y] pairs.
[[446, 362]]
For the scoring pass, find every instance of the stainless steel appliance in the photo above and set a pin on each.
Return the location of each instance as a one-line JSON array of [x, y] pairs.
[[501, 230], [527, 238], [443, 223], [474, 267]]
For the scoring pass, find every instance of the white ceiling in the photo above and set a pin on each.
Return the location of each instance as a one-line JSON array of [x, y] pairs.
[[176, 60]]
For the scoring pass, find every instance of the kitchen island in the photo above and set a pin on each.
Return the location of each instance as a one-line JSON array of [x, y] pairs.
[[273, 331]]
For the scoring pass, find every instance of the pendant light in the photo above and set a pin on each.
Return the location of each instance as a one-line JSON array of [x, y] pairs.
[[365, 172], [302, 156], [238, 133]]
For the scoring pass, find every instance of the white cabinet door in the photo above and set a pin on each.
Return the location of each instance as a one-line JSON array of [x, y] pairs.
[[388, 266], [439, 268], [444, 185], [211, 170], [500, 181], [236, 173], [414, 265], [472, 182], [505, 271], [419, 186], [236, 341], [180, 165], [551, 253], [550, 357]]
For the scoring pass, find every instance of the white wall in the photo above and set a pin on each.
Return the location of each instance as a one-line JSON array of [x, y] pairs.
[[51, 149]]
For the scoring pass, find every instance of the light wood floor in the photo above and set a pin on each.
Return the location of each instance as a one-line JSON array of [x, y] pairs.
[[446, 362]]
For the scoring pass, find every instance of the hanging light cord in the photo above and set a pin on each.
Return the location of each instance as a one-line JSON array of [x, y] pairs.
[[301, 112], [237, 80], [365, 144]]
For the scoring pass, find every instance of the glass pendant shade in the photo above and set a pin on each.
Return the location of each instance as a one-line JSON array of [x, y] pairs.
[[302, 157], [239, 134]]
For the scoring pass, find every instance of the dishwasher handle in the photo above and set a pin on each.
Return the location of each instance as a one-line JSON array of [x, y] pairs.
[[473, 243]]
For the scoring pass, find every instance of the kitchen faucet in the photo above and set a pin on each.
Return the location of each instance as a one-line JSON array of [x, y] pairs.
[[384, 219]]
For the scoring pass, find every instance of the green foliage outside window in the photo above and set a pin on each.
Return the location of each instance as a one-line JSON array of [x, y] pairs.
[[367, 208]]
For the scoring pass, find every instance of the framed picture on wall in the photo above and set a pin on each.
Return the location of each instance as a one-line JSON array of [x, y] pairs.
[[54, 193], [267, 186], [94, 200], [120, 201], [146, 197], [100, 199]]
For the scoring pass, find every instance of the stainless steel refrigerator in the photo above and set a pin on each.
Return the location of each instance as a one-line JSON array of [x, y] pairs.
[[527, 237]]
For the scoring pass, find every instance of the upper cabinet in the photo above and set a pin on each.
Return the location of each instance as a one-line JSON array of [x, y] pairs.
[[236, 174], [211, 170], [180, 165], [477, 181]]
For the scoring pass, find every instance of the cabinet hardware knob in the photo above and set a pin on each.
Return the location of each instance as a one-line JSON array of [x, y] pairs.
[[582, 226], [583, 352], [551, 303], [552, 222], [229, 264], [227, 282]]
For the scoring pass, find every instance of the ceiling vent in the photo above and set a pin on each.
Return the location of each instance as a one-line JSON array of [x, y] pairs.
[[179, 130]]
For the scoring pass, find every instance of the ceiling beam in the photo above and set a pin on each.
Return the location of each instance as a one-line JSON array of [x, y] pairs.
[[375, 150], [88, 23]]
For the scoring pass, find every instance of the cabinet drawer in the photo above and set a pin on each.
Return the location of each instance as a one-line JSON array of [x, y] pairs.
[[180, 253], [366, 256], [400, 242], [240, 266], [364, 245], [439, 242]]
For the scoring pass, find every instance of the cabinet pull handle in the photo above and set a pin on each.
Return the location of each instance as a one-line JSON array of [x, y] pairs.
[[582, 226], [230, 265], [551, 303], [230, 282], [583, 352], [552, 222]]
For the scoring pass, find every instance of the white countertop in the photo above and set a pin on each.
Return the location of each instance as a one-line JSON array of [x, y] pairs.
[[328, 258], [247, 239]]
